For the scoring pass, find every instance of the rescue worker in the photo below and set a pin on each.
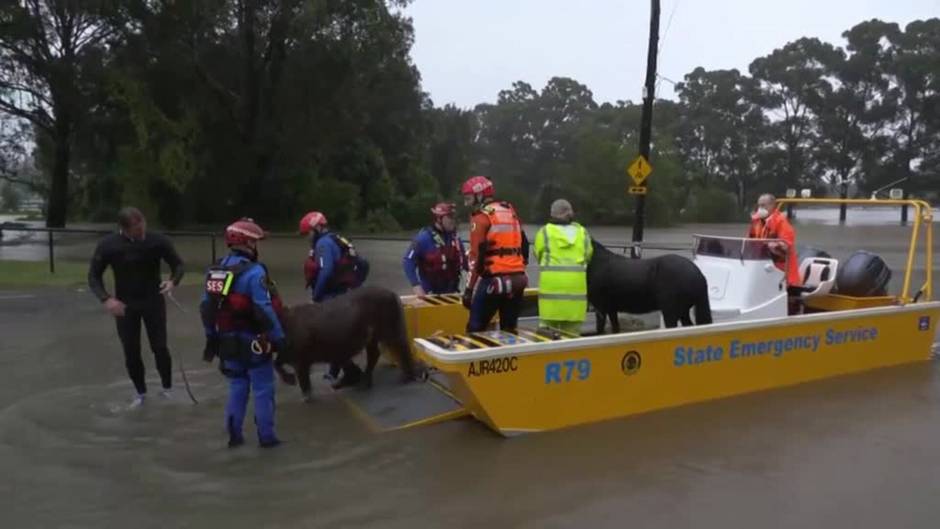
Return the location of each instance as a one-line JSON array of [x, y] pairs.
[[240, 313], [134, 256], [768, 222], [563, 249], [436, 256], [332, 269], [499, 252]]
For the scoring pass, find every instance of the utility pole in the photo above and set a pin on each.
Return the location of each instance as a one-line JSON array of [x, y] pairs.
[[646, 125]]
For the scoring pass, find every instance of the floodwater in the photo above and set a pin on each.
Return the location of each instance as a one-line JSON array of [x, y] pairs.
[[854, 452]]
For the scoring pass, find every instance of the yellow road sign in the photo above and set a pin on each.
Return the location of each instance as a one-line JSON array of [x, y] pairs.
[[638, 190], [639, 170]]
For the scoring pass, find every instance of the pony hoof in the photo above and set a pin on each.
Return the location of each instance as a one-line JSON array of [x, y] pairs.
[[308, 398]]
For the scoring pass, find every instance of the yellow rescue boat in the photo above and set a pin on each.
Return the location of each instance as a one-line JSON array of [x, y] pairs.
[[535, 381]]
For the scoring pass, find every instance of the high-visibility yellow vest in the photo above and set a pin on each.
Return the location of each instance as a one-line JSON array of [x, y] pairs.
[[563, 252]]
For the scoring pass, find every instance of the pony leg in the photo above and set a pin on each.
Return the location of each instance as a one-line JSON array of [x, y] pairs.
[[614, 322], [686, 319], [372, 358], [601, 318], [303, 379], [671, 318]]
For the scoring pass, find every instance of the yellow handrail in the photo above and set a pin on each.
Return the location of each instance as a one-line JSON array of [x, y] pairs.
[[922, 215]]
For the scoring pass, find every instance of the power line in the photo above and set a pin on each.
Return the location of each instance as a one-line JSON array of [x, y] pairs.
[[662, 41]]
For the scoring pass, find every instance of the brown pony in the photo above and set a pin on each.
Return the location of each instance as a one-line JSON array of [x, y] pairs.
[[337, 330]]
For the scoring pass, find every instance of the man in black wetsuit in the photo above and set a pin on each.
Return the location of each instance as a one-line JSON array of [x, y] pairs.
[[134, 256]]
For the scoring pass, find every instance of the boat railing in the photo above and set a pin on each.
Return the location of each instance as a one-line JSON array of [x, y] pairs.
[[923, 221]]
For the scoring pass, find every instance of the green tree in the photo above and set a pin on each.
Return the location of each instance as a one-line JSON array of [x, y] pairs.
[[791, 83], [9, 198], [50, 51], [722, 130]]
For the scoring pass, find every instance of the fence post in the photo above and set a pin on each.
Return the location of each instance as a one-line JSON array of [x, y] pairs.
[[904, 211], [212, 238], [51, 252]]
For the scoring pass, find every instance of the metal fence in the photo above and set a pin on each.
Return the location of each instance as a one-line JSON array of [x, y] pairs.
[[50, 238]]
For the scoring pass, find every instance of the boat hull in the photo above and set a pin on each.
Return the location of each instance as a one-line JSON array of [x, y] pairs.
[[546, 386]]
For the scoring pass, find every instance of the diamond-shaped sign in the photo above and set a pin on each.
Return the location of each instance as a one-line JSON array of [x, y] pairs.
[[639, 170]]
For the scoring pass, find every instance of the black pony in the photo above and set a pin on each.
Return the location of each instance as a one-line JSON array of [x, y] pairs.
[[339, 329], [671, 284]]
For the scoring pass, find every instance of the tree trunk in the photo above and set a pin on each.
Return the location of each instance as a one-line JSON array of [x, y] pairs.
[[57, 207]]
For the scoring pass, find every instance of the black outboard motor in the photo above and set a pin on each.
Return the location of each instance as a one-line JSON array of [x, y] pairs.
[[863, 274]]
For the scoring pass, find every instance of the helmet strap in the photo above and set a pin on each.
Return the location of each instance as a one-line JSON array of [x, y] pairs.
[[247, 250]]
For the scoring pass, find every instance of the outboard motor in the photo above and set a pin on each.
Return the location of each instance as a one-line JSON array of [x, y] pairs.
[[863, 274]]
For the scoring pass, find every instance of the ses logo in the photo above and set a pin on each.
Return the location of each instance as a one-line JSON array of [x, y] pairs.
[[630, 363]]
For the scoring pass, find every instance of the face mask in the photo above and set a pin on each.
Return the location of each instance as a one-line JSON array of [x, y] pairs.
[[763, 213]]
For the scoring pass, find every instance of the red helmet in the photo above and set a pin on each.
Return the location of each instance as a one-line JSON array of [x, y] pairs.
[[310, 221], [477, 185], [443, 209], [243, 232]]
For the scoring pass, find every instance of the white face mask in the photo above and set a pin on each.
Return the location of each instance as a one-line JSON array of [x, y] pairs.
[[763, 213]]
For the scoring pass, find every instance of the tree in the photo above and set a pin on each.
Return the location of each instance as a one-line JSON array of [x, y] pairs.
[[9, 198], [450, 147], [911, 64], [791, 82], [48, 49], [722, 129]]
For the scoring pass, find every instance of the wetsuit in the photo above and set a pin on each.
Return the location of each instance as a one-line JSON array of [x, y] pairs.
[[136, 267]]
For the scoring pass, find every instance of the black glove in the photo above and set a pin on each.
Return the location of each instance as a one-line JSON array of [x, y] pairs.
[[280, 347], [212, 349], [466, 298]]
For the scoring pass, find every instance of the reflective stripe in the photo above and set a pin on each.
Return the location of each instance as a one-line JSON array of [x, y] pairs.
[[565, 297], [563, 268], [548, 251], [502, 228], [229, 277]]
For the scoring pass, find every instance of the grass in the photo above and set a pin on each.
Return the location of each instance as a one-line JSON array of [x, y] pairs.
[[67, 274], [36, 274]]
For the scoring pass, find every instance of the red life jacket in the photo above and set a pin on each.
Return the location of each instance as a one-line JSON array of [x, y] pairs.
[[442, 264], [232, 311], [346, 273]]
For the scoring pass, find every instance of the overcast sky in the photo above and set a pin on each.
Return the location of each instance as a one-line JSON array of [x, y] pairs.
[[469, 50]]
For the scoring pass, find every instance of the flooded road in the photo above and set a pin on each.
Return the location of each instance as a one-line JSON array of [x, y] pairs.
[[853, 452]]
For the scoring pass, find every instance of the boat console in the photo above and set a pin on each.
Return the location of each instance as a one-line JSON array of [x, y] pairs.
[[743, 283]]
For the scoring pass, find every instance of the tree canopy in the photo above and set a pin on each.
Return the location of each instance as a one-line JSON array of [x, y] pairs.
[[200, 111]]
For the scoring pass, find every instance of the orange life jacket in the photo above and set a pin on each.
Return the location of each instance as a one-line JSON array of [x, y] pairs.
[[503, 252], [776, 226]]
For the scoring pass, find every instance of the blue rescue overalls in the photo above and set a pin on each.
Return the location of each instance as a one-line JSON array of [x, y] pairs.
[[331, 270], [434, 260], [240, 314]]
